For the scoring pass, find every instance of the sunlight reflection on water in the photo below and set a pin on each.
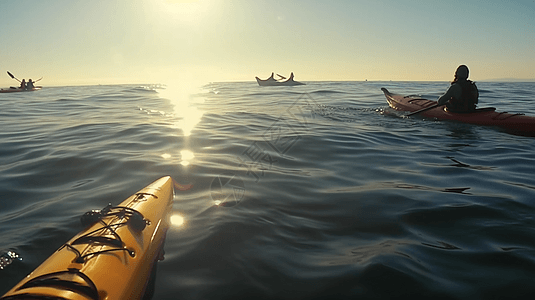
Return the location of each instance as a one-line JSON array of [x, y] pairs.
[[187, 156], [184, 101]]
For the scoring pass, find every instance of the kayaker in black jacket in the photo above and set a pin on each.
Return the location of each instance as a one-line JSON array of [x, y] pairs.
[[462, 96]]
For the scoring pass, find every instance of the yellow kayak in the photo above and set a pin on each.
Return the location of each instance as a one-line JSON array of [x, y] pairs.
[[112, 258]]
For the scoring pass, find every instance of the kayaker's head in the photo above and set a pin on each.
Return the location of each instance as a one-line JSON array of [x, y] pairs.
[[29, 80], [462, 72]]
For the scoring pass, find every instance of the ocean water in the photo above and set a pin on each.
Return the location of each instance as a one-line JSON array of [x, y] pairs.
[[310, 192]]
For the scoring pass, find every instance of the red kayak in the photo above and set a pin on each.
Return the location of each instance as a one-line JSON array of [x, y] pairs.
[[15, 90], [513, 123]]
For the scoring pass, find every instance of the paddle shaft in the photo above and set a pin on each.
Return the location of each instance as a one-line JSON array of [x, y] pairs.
[[11, 75], [424, 109]]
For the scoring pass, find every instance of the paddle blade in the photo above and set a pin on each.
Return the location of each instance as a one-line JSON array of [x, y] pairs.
[[11, 75]]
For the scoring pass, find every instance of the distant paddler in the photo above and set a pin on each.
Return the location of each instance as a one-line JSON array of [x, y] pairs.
[[273, 82], [23, 84], [30, 85]]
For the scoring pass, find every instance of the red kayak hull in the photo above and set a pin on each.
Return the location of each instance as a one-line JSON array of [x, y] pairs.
[[513, 123], [16, 90]]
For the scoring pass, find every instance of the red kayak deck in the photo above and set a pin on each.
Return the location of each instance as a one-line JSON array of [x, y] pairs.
[[513, 123]]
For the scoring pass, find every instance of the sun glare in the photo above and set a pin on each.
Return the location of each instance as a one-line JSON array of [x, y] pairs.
[[177, 220]]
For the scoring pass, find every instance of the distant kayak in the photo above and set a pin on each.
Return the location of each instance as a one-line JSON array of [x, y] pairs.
[[513, 123], [274, 82], [114, 257], [16, 90]]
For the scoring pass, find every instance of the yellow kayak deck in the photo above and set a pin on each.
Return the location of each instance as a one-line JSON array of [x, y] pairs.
[[113, 257]]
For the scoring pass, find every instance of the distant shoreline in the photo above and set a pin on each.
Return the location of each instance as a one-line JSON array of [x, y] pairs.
[[504, 80], [509, 80]]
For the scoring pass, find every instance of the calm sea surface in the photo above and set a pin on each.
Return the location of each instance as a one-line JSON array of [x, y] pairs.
[[311, 192]]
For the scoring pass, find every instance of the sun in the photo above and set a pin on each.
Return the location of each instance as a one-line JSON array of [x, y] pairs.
[[182, 11]]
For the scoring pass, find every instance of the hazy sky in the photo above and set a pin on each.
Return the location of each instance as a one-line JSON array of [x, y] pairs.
[[161, 41]]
